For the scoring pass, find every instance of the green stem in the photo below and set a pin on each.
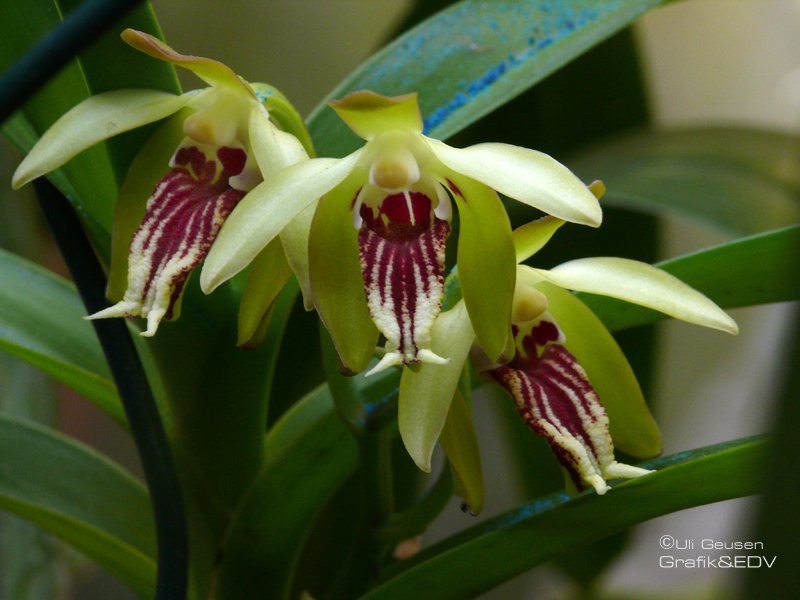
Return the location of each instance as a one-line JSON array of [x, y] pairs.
[[343, 389], [368, 424], [376, 468]]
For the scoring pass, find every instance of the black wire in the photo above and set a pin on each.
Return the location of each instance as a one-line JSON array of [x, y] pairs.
[[80, 28], [134, 390]]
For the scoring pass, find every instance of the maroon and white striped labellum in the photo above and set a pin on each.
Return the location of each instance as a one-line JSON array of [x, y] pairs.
[[181, 221], [554, 397], [402, 251]]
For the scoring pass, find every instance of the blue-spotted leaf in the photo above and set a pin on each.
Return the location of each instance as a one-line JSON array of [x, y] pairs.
[[474, 56]]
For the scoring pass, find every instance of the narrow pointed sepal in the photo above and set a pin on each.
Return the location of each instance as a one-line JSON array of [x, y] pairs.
[[460, 444], [639, 283], [556, 400], [526, 175], [269, 273], [182, 219], [401, 250], [427, 390], [486, 262], [95, 119], [335, 277], [209, 70]]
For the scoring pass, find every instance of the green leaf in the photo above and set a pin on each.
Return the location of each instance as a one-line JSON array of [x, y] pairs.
[[484, 556], [92, 187], [41, 322], [740, 181], [32, 560], [501, 49], [755, 270], [92, 504], [308, 455]]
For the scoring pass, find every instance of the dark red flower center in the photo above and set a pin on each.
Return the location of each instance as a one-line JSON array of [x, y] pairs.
[[401, 216]]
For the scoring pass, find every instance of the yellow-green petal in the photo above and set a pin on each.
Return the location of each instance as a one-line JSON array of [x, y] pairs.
[[427, 390], [147, 169], [533, 236], [336, 282], [268, 274], [633, 429], [369, 114], [266, 210], [460, 445], [486, 263], [526, 175], [642, 284], [274, 149], [209, 70], [95, 119], [295, 244]]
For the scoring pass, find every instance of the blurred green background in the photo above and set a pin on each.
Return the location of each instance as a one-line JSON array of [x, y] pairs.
[[704, 62]]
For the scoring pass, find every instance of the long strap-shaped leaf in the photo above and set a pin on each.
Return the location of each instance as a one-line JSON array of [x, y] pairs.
[[92, 503], [486, 555], [474, 56], [41, 322], [758, 269], [739, 181]]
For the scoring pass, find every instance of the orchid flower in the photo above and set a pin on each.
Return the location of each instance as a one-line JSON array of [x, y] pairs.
[[226, 142], [376, 248], [570, 381]]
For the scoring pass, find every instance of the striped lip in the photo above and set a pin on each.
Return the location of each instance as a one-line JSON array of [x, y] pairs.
[[402, 251], [554, 397], [182, 219]]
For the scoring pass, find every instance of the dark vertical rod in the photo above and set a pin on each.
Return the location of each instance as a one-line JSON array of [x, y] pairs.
[[80, 28], [134, 390]]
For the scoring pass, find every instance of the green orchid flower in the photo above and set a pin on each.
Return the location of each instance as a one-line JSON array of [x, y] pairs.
[[569, 379], [219, 142], [376, 238]]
